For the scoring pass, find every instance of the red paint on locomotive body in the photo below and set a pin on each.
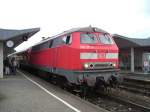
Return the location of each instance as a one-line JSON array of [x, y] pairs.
[[68, 56]]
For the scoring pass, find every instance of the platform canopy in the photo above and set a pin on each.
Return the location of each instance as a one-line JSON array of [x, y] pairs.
[[125, 42], [16, 37], [9, 39], [134, 47]]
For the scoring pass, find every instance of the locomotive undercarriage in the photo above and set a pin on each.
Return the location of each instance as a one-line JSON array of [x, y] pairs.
[[99, 78], [81, 80]]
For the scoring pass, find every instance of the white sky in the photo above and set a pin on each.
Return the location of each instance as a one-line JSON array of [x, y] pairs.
[[130, 18]]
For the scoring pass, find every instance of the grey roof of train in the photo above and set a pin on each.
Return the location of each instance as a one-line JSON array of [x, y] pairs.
[[134, 41], [82, 29], [86, 29], [6, 34]]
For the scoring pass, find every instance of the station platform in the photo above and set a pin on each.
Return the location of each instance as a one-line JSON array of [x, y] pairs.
[[27, 93]]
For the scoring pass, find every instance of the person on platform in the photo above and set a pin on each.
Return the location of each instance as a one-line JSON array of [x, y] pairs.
[[7, 66], [146, 66], [13, 66]]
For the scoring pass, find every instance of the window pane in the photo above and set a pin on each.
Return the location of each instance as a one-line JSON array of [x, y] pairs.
[[88, 39], [105, 39], [67, 39]]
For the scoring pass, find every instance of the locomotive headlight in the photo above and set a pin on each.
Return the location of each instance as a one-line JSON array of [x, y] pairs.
[[114, 64], [86, 65]]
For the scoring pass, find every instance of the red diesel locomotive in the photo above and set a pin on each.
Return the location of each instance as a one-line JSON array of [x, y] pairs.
[[86, 55]]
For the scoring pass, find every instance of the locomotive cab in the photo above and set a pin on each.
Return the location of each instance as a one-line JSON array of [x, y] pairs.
[[98, 51], [98, 57]]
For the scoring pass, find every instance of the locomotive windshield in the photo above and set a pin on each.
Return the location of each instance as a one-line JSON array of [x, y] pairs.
[[105, 39], [88, 38]]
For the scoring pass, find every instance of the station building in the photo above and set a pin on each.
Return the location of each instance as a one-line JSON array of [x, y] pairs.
[[9, 39], [133, 53]]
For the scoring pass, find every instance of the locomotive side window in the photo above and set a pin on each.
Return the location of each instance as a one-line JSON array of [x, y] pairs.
[[35, 48], [54, 43], [44, 45], [88, 38], [105, 39], [50, 43], [57, 42], [41, 46], [67, 39]]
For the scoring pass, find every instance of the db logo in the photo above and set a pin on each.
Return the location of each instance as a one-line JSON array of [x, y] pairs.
[[102, 55]]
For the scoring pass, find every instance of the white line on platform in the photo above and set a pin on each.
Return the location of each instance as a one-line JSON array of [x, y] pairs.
[[64, 102]]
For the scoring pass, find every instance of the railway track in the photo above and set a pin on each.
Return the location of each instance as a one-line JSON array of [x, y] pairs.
[[136, 86], [130, 101], [132, 104], [117, 102]]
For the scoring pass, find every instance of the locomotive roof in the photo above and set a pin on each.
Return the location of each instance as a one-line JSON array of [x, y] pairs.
[[86, 29], [83, 29]]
